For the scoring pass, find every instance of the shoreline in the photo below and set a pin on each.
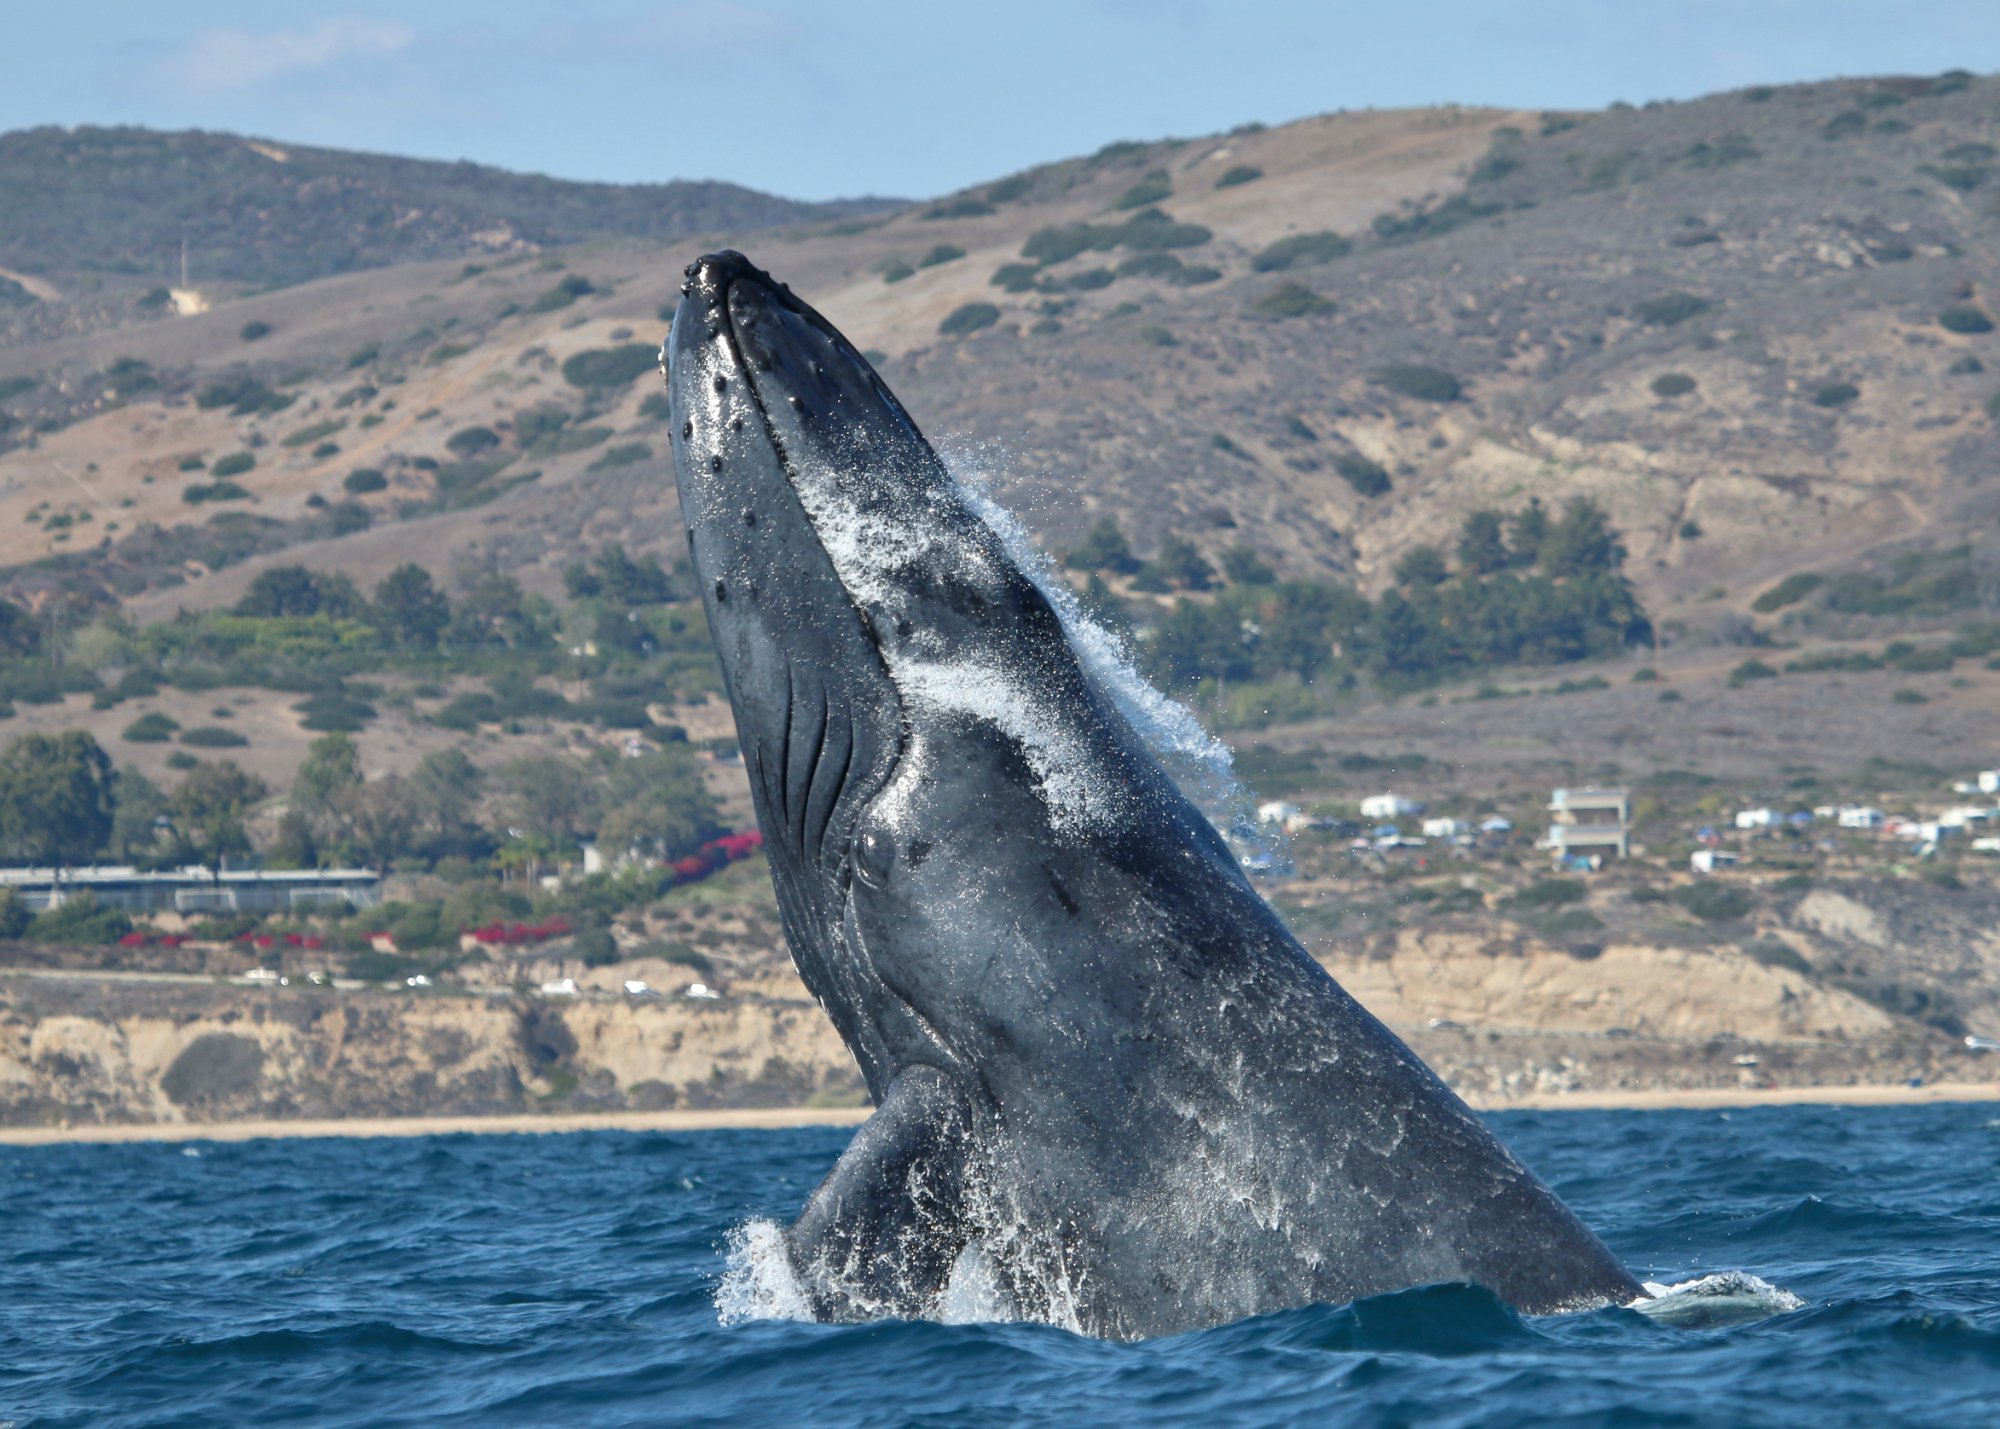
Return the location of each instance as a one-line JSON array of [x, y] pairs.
[[781, 1118]]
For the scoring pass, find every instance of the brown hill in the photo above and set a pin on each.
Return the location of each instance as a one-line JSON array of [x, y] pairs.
[[1751, 326]]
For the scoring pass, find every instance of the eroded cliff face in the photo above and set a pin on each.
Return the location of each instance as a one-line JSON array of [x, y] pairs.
[[81, 1051], [1856, 984]]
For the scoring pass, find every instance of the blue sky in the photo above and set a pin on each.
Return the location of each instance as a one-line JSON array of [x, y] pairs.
[[814, 100]]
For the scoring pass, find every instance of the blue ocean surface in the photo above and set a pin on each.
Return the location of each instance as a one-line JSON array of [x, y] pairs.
[[573, 1280]]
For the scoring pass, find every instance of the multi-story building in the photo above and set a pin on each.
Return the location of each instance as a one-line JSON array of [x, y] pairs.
[[1590, 821]]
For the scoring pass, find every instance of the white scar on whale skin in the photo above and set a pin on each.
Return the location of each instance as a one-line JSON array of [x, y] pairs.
[[866, 547]]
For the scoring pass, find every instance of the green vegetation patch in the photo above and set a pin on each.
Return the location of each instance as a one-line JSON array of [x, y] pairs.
[[1965, 319], [235, 464], [969, 318], [150, 728], [1789, 591], [1302, 248], [1150, 189], [212, 736], [1368, 478], [1428, 384], [1670, 308], [603, 368], [197, 492], [1239, 174], [1672, 384], [941, 253], [1291, 300], [1835, 394]]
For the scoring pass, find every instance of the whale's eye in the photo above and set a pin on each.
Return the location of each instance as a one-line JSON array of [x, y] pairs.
[[874, 855]]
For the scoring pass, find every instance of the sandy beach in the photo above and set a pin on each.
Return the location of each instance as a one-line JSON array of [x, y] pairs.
[[773, 1118]]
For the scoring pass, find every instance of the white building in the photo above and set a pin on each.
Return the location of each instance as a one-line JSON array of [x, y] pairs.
[[1389, 806], [1590, 821], [1708, 860], [1277, 812], [1758, 818], [1860, 816], [1445, 828], [1989, 781]]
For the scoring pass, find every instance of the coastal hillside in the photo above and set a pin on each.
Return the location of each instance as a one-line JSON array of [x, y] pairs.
[[1440, 459], [103, 213], [1754, 328]]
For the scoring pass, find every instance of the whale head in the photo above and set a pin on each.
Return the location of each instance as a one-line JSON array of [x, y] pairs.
[[927, 755]]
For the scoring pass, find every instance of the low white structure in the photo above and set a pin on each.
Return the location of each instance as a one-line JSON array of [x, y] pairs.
[[1708, 860], [1860, 816], [1758, 818], [1989, 781], [1445, 828], [196, 890], [1278, 811], [1389, 806]]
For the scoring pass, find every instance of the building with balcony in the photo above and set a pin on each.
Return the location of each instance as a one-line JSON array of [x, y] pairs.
[[1590, 821]]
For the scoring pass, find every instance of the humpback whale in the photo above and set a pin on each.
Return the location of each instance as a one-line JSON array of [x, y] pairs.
[[1104, 1072]]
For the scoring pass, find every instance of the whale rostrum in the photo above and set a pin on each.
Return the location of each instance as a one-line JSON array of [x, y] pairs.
[[1102, 1066]]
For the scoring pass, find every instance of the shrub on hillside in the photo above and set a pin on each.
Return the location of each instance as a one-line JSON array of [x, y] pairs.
[[364, 479], [969, 318], [1239, 174], [941, 253], [1291, 300], [1672, 384], [212, 736], [150, 728], [1670, 308], [1835, 394], [1301, 248], [471, 441], [1789, 591], [1154, 187], [1965, 319], [1368, 478], [235, 464], [1429, 384], [608, 367], [1714, 902]]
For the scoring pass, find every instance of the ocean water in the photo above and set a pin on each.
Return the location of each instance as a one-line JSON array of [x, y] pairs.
[[574, 1280]]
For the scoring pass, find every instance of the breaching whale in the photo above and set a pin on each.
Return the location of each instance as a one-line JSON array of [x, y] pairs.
[[1102, 1067]]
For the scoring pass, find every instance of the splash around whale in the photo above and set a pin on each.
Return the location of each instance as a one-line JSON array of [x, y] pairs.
[[1112, 1091]]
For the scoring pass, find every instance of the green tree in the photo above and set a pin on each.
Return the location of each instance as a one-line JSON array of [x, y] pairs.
[[409, 610], [1243, 566], [1104, 549], [295, 590], [136, 821], [1181, 566], [329, 773], [1421, 568], [1582, 543], [658, 804], [444, 790], [493, 613], [1482, 543], [208, 810], [551, 797], [1526, 532], [58, 797]]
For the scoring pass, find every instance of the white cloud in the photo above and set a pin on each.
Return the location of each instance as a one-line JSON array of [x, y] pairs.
[[227, 58]]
